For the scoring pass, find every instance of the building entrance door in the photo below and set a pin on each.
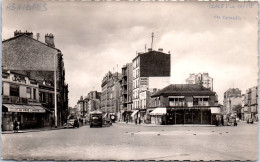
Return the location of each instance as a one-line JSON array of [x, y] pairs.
[[170, 118], [179, 117], [188, 119]]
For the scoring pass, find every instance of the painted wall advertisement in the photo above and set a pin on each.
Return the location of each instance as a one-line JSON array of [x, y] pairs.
[[144, 82]]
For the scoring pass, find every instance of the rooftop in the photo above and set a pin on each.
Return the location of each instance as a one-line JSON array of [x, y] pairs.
[[184, 89]]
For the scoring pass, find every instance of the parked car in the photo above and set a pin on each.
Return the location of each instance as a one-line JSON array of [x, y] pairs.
[[71, 123]]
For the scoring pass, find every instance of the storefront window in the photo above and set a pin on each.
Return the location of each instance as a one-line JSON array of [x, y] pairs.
[[14, 90]]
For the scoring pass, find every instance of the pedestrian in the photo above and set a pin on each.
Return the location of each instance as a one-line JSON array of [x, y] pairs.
[[217, 121], [52, 122], [222, 120], [135, 120], [235, 122], [15, 125]]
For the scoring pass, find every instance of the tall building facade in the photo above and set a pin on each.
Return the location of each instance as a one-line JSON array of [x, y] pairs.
[[126, 92], [94, 102], [233, 101], [150, 70], [41, 62], [110, 95], [201, 78], [250, 108]]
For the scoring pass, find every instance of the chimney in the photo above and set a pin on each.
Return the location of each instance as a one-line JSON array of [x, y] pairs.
[[37, 36], [27, 33], [149, 49], [160, 50], [49, 40]]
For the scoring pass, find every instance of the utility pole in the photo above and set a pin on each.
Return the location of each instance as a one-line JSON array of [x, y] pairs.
[[152, 41]]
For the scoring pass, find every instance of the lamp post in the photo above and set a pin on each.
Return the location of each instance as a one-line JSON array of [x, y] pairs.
[[55, 93]]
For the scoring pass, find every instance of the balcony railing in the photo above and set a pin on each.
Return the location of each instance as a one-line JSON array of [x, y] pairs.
[[14, 100]]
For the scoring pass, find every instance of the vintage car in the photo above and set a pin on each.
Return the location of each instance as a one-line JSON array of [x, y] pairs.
[[71, 123], [95, 119]]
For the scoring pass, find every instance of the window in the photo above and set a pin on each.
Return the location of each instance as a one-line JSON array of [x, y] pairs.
[[34, 93], [201, 101], [42, 97], [195, 101], [176, 101], [14, 90], [28, 92], [50, 99]]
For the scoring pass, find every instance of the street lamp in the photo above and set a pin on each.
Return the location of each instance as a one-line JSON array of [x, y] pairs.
[[55, 92]]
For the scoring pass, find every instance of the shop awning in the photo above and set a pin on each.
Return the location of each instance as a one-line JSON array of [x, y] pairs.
[[215, 110], [133, 114], [24, 108], [158, 111]]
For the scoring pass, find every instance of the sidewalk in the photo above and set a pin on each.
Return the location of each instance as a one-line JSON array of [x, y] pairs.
[[173, 125], [33, 130]]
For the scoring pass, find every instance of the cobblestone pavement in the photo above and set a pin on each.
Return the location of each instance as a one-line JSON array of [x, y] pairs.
[[135, 142]]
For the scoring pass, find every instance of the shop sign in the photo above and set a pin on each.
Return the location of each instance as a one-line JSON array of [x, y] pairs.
[[25, 110], [144, 81]]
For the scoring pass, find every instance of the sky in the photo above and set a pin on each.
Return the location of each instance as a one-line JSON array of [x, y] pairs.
[[215, 37]]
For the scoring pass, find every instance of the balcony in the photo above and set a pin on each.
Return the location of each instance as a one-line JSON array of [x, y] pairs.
[[201, 103], [124, 82], [177, 104], [124, 100], [124, 92], [14, 100]]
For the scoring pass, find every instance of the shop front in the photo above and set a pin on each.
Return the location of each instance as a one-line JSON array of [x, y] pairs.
[[148, 116], [190, 115], [158, 116], [134, 116], [254, 113], [142, 116], [28, 116]]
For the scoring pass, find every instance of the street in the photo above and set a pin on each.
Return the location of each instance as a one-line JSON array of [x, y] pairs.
[[135, 142]]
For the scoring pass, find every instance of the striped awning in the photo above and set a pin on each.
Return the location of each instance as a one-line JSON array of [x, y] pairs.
[[159, 111], [24, 108]]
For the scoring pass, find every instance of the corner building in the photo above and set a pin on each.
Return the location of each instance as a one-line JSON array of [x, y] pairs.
[[38, 61], [185, 104]]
